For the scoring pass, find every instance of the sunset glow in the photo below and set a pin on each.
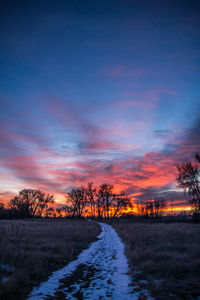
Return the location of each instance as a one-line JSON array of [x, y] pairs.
[[108, 94]]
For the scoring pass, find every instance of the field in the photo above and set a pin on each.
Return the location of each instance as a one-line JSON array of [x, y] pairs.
[[163, 258], [31, 249]]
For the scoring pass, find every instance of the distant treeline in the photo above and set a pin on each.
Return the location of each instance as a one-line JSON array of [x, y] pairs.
[[102, 202], [85, 201], [89, 201]]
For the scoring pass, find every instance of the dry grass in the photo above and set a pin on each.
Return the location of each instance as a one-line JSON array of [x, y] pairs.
[[31, 249], [164, 258]]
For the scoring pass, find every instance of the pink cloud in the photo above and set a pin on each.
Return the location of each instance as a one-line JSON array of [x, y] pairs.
[[146, 99], [135, 174], [113, 72], [123, 72]]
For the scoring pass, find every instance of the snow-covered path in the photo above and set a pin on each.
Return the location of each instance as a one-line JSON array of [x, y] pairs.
[[99, 272]]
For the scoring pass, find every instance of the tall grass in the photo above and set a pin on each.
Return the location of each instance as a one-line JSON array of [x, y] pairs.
[[165, 258], [31, 249]]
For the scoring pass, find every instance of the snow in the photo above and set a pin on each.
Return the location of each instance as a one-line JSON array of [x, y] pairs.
[[7, 268], [99, 272], [4, 279]]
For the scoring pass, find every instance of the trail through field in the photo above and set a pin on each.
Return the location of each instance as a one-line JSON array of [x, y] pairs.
[[99, 272]]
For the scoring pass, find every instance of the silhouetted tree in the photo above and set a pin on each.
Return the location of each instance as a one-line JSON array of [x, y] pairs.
[[105, 199], [197, 157], [149, 205], [119, 203], [30, 203], [77, 200], [159, 206], [93, 201], [2, 207], [188, 180], [67, 210], [91, 191], [4, 212], [99, 205], [153, 208]]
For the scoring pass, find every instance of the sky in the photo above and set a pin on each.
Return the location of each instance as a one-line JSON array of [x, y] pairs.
[[98, 91]]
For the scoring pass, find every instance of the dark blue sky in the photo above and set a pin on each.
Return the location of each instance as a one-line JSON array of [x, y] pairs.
[[98, 90]]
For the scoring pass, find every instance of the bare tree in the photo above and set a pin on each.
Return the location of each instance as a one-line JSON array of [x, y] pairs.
[[197, 157], [3, 211], [153, 208], [119, 203], [105, 199], [188, 180], [159, 206], [67, 211], [99, 204], [30, 203], [91, 192], [78, 200]]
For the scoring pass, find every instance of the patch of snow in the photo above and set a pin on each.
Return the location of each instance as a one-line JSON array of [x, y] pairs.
[[7, 268], [142, 281], [105, 273], [4, 279]]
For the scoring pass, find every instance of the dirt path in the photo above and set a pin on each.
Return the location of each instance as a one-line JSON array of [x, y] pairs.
[[100, 272]]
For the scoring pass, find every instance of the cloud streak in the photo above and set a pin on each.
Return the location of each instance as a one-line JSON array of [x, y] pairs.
[[151, 173]]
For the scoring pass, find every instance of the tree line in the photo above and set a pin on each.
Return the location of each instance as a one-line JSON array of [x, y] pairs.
[[88, 200], [153, 208], [101, 201]]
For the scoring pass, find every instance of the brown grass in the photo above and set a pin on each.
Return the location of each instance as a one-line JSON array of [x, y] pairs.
[[164, 258], [31, 249]]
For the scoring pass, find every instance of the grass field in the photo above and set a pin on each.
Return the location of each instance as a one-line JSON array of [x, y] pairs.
[[164, 258], [31, 249]]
